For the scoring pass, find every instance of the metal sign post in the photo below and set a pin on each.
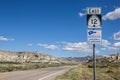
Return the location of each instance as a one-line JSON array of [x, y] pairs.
[[94, 62], [94, 31]]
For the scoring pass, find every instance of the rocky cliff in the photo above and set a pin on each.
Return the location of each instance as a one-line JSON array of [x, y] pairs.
[[112, 58], [26, 57]]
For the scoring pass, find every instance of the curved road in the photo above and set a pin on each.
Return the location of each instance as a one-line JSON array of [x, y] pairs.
[[37, 74]]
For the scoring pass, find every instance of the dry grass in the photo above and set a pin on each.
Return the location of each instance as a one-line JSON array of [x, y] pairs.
[[8, 67], [84, 73]]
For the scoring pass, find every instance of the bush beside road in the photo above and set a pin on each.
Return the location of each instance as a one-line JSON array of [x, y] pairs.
[[84, 72], [8, 67]]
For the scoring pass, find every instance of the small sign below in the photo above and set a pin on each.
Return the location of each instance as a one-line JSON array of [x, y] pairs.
[[94, 36]]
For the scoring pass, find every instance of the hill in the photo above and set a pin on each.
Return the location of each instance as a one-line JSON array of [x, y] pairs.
[[26, 57]]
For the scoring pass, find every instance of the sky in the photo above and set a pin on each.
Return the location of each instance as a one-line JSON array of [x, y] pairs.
[[57, 27]]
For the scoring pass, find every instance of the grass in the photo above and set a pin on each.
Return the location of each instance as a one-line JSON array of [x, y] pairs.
[[76, 74], [84, 72], [8, 67]]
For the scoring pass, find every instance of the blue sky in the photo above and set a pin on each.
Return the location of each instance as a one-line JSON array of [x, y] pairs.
[[57, 27]]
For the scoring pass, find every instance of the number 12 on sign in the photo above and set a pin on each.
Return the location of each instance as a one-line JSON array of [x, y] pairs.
[[94, 22]]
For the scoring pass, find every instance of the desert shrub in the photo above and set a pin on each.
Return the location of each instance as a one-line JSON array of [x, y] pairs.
[[110, 70], [99, 65], [73, 74], [8, 66]]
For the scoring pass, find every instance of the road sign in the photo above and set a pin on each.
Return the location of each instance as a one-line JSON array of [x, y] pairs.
[[94, 36], [94, 17], [94, 10]]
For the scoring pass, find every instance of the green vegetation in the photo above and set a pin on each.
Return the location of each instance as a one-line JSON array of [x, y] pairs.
[[77, 73], [10, 66], [106, 71]]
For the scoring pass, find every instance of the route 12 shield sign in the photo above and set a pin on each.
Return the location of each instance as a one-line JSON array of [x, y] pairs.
[[94, 17]]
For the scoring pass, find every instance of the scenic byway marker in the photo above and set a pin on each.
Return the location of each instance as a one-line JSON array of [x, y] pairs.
[[94, 32], [94, 36]]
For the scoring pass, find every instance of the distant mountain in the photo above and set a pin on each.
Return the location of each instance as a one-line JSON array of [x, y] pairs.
[[26, 57], [78, 59]]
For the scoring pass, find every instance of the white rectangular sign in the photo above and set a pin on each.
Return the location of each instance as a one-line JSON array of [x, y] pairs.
[[94, 36], [93, 10]]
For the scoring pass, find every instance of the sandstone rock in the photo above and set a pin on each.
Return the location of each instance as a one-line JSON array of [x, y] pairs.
[[26, 57]]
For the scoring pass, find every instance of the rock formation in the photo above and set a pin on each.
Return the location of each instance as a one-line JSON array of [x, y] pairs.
[[26, 57], [113, 57]]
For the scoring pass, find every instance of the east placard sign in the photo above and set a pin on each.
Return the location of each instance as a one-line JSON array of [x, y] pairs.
[[94, 17], [93, 10]]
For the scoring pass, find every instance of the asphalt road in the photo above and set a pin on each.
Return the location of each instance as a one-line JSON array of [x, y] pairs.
[[37, 74]]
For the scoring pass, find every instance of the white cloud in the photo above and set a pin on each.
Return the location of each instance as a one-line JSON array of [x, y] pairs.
[[112, 48], [81, 14], [52, 47], [30, 44], [117, 44], [109, 48], [105, 43], [2, 38], [112, 15], [103, 48], [81, 47], [117, 36]]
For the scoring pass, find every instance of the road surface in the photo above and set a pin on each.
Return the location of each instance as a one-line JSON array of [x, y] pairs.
[[37, 74]]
